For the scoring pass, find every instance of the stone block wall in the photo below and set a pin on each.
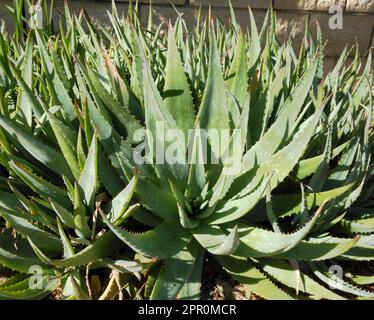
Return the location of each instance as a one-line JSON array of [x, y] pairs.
[[357, 16]]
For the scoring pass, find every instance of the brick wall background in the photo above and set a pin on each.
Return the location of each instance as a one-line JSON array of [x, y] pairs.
[[358, 16]]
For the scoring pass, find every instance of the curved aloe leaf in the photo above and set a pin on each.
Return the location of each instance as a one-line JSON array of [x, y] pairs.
[[164, 241]]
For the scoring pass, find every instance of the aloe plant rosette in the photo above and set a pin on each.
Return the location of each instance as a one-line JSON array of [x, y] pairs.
[[157, 150]]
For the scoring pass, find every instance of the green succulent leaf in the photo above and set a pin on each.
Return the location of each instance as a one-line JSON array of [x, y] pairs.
[[253, 279], [164, 241], [174, 272], [41, 152], [88, 178]]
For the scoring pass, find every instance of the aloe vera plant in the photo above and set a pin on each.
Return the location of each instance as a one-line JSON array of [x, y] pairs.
[[281, 198]]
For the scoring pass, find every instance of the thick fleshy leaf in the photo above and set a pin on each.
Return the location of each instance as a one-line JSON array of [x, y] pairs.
[[20, 258], [160, 125], [164, 241], [101, 248], [184, 209], [213, 113], [252, 278], [283, 272], [121, 202], [88, 178], [48, 241], [22, 290], [66, 140], [40, 151], [272, 171], [23, 104], [237, 81], [197, 174], [175, 273], [177, 93], [191, 290], [281, 128], [121, 112], [60, 91], [39, 185], [257, 242], [322, 272], [319, 249]]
